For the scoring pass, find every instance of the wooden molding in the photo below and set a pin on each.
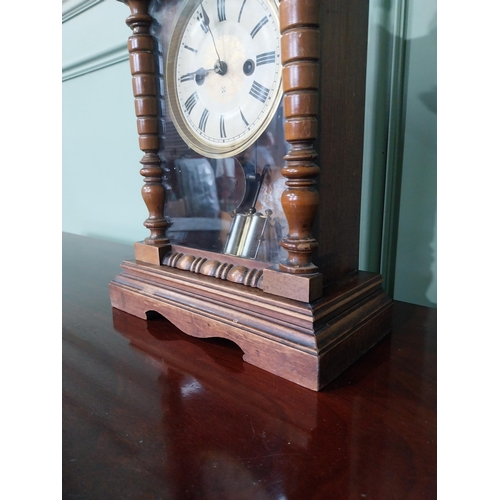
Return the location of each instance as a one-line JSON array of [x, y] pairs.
[[236, 273], [253, 273]]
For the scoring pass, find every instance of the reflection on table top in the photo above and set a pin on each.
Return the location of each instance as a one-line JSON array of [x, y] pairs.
[[150, 413]]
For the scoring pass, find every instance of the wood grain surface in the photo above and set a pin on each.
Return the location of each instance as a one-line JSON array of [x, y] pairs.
[[150, 413]]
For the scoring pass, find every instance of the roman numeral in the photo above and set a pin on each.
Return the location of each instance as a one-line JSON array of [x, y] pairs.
[[221, 10], [259, 92], [266, 58], [203, 120], [258, 26], [243, 118], [190, 48], [191, 102], [222, 127], [203, 19], [241, 10]]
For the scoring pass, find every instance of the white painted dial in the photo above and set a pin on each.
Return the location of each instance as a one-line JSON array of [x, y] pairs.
[[224, 73]]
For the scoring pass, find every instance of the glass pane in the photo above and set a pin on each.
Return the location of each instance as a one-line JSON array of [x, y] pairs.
[[228, 205]]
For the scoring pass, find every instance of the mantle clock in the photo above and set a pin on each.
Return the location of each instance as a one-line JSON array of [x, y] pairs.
[[250, 117]]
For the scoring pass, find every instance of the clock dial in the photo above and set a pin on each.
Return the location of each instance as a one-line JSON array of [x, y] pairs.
[[224, 74]]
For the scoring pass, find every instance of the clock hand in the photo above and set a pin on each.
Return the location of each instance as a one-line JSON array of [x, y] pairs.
[[198, 76], [220, 67]]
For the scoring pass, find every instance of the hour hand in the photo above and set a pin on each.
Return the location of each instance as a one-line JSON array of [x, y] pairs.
[[198, 76]]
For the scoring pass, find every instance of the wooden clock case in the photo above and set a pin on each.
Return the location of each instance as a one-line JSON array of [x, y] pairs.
[[312, 316]]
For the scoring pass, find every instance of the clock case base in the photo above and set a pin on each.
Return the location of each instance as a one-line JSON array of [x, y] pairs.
[[306, 343]]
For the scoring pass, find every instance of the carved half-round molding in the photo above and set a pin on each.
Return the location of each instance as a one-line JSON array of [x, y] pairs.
[[214, 268]]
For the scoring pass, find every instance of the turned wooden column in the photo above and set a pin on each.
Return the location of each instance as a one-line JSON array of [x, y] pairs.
[[300, 42], [142, 66]]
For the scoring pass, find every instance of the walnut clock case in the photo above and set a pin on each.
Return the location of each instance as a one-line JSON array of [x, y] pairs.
[[250, 116]]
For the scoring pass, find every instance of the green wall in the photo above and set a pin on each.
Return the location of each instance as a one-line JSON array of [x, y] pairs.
[[415, 273], [398, 219], [101, 181]]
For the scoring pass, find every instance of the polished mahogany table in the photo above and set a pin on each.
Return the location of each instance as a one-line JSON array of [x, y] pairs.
[[150, 413]]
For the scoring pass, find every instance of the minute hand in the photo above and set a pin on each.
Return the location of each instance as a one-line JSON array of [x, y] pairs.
[[220, 67]]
